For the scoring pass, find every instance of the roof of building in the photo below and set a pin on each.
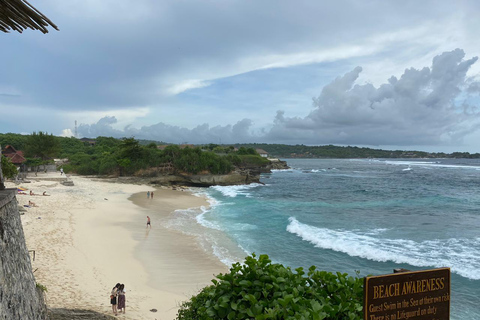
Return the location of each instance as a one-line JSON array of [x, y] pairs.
[[8, 149], [16, 157], [18, 15], [261, 151]]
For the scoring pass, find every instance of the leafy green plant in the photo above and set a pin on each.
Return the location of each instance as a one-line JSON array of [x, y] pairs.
[[259, 289], [9, 170], [41, 287]]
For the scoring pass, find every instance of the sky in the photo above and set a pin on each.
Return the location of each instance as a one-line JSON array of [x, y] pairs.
[[381, 74]]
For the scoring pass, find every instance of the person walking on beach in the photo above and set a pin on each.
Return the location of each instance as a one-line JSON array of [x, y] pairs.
[[148, 222], [61, 171], [113, 298], [121, 298], [151, 194], [148, 194]]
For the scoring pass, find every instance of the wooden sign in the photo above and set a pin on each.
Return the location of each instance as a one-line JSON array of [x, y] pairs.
[[416, 295]]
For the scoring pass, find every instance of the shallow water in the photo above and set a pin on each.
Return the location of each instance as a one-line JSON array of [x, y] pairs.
[[347, 215]]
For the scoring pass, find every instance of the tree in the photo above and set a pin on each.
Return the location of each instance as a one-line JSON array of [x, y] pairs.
[[9, 170], [34, 163], [152, 145], [42, 145], [130, 149]]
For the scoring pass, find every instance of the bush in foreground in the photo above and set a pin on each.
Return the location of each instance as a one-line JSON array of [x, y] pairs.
[[260, 290]]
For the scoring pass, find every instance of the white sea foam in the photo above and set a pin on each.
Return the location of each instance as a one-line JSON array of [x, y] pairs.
[[281, 170], [206, 223], [430, 164], [233, 191], [461, 255]]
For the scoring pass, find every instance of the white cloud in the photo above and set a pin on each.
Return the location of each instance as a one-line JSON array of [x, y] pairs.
[[416, 109], [186, 85], [67, 133]]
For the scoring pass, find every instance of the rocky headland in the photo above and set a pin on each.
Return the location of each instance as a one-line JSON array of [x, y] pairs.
[[169, 177]]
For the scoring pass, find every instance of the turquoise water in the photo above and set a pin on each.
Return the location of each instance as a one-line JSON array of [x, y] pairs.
[[347, 215]]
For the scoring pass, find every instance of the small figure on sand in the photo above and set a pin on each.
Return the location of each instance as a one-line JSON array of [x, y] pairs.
[[148, 222], [151, 195], [61, 171], [121, 298], [113, 298], [45, 193], [31, 193], [148, 194], [32, 204]]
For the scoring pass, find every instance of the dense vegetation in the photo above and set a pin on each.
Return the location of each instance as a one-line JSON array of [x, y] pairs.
[[330, 151], [110, 156], [9, 170], [259, 289]]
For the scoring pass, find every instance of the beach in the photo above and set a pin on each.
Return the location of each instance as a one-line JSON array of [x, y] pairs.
[[92, 235]]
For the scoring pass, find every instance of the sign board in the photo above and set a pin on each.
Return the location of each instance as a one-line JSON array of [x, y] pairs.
[[416, 295]]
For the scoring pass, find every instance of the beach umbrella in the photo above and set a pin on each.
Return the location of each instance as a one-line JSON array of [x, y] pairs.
[[21, 189]]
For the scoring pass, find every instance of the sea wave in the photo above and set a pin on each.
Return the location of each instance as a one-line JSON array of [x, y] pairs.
[[207, 223], [281, 170], [461, 255], [432, 164], [233, 191]]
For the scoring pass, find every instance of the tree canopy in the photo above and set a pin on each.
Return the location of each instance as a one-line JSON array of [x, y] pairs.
[[42, 145], [9, 170]]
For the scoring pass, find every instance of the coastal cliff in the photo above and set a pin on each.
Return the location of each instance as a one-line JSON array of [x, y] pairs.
[[239, 176]]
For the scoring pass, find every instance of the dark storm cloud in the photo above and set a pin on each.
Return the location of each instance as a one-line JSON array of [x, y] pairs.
[[421, 107], [110, 55]]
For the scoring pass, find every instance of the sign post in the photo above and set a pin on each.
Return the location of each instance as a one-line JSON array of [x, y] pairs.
[[416, 295]]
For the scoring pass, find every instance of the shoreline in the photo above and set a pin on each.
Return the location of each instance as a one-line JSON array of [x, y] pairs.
[[92, 235], [190, 268]]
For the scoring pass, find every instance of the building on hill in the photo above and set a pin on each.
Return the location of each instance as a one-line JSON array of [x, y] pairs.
[[262, 153], [16, 156]]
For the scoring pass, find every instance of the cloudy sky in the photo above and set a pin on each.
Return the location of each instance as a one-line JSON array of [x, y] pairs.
[[383, 74]]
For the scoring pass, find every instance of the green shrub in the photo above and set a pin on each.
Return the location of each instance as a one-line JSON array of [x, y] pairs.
[[9, 170], [41, 287], [260, 290], [252, 160]]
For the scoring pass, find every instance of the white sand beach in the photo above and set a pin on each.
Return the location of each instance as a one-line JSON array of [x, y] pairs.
[[92, 235]]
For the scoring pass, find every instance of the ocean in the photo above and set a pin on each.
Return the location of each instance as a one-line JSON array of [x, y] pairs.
[[351, 215]]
